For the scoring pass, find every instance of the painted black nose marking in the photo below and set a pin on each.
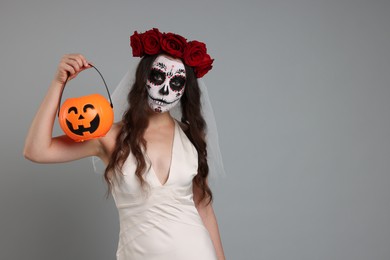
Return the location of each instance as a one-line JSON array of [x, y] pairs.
[[164, 90]]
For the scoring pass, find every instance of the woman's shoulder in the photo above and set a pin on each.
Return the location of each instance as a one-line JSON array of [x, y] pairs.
[[116, 127], [108, 141], [113, 132]]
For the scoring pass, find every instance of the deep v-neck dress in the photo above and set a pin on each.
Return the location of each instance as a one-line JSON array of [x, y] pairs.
[[162, 221]]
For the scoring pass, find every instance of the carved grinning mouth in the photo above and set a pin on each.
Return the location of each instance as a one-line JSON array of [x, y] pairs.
[[161, 102], [81, 129]]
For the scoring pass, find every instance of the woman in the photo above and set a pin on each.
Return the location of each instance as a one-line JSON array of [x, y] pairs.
[[156, 167]]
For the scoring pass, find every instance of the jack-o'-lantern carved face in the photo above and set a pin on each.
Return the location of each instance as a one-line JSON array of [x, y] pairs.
[[81, 121], [86, 117]]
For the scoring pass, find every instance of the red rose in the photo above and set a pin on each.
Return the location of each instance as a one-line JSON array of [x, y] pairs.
[[204, 66], [136, 45], [194, 53], [173, 44], [151, 41]]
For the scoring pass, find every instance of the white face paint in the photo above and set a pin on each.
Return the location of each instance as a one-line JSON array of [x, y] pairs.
[[166, 83]]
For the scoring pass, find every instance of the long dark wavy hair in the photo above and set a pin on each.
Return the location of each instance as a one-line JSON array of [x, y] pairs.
[[135, 122]]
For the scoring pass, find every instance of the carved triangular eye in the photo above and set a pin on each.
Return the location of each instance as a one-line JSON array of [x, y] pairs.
[[88, 106], [74, 109]]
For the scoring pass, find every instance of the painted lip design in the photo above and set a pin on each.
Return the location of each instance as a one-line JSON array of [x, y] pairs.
[[161, 102]]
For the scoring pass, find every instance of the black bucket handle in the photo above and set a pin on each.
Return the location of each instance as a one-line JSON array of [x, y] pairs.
[[62, 91]]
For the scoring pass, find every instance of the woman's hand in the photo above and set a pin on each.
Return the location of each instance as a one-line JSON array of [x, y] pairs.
[[70, 65]]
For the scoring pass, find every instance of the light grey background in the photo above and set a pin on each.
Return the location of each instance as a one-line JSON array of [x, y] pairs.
[[300, 90]]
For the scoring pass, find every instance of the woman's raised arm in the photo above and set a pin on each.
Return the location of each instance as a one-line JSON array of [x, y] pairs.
[[40, 146]]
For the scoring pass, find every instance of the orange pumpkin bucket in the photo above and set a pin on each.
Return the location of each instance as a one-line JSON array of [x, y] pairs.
[[86, 117]]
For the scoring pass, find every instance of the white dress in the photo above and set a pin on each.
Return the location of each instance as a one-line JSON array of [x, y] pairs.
[[162, 223]]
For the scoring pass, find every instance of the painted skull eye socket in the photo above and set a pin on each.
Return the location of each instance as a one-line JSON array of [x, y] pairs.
[[87, 106], [177, 83], [72, 109], [157, 77]]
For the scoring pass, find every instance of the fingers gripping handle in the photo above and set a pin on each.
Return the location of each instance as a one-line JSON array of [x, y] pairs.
[[62, 91]]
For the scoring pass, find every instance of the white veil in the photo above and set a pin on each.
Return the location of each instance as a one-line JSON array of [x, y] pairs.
[[214, 157]]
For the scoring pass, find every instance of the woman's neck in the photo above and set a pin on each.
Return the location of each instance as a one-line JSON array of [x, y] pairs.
[[160, 119]]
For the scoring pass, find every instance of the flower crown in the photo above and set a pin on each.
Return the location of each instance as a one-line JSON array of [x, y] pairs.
[[193, 53]]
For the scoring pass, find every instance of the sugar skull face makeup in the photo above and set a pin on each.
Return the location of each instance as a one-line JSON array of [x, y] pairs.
[[165, 84]]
